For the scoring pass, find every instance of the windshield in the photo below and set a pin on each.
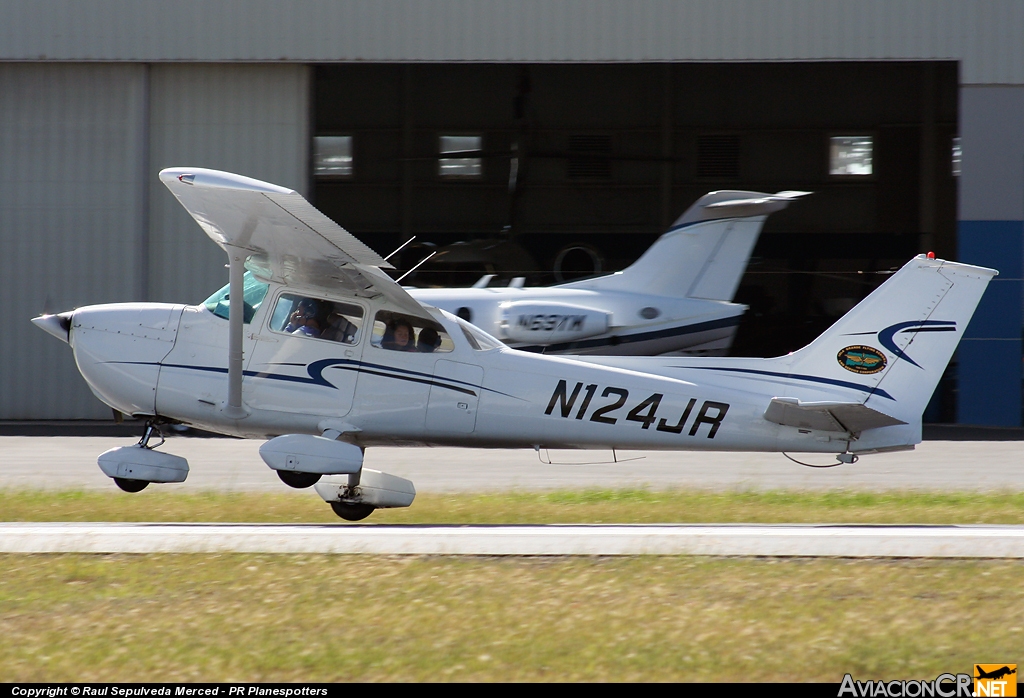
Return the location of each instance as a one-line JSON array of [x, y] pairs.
[[478, 339], [253, 292]]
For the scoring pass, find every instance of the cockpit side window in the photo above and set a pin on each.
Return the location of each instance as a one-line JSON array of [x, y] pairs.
[[398, 332], [253, 293], [304, 316]]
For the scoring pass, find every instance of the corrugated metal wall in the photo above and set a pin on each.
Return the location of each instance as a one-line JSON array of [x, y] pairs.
[[80, 146], [248, 119], [71, 142], [986, 35]]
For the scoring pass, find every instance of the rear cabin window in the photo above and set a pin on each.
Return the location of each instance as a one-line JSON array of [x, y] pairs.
[[314, 317], [253, 293], [397, 332]]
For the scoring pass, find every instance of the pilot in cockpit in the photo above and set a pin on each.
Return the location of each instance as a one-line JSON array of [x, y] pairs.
[[304, 319]]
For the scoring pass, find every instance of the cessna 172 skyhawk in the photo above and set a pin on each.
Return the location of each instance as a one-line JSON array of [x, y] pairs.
[[677, 298], [319, 351]]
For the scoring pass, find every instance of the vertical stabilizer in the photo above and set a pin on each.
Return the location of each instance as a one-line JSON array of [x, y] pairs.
[[704, 253], [899, 339]]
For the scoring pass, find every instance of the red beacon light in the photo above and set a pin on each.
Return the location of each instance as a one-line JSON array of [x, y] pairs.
[[931, 255]]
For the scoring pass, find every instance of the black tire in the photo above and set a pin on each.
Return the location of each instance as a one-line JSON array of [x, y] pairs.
[[352, 512], [300, 481], [131, 485]]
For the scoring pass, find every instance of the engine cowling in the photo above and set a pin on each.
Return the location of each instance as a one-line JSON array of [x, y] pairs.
[[537, 322]]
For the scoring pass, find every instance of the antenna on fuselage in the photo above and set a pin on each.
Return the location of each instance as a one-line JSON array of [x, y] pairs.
[[418, 265], [399, 248]]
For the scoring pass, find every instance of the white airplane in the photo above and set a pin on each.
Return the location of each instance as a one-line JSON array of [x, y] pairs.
[[677, 298], [319, 351]]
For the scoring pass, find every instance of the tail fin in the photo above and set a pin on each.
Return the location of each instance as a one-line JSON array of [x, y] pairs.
[[898, 340], [704, 253]]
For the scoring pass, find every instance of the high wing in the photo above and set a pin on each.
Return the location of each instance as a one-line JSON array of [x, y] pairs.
[[287, 239]]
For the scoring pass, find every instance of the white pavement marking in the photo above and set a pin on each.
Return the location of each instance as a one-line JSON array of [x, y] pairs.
[[739, 540], [36, 462]]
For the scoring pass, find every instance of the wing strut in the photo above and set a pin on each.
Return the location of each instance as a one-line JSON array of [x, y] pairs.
[[236, 319]]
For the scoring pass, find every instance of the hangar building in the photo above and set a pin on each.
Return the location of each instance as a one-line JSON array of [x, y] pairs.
[[550, 138]]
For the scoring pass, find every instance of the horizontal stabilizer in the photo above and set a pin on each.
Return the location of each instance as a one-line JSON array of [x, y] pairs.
[[737, 204], [847, 417]]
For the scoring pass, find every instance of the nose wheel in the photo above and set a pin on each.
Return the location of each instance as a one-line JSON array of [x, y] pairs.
[[352, 512], [128, 485]]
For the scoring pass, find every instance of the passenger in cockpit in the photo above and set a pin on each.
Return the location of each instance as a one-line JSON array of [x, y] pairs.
[[399, 336], [428, 340]]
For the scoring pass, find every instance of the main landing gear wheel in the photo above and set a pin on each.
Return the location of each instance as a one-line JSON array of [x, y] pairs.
[[352, 512], [130, 485], [298, 480]]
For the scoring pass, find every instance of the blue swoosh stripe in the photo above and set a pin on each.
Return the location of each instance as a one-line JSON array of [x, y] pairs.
[[639, 337], [316, 369], [797, 376], [886, 336], [316, 377]]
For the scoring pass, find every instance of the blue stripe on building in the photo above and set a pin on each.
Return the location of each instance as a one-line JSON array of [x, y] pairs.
[[991, 352]]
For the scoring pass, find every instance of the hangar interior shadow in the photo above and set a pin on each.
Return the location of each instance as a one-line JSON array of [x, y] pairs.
[[582, 167]]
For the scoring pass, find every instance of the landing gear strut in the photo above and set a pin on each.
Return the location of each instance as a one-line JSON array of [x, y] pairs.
[[151, 429]]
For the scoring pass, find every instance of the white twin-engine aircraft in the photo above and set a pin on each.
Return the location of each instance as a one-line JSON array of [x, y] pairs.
[[677, 298], [317, 350]]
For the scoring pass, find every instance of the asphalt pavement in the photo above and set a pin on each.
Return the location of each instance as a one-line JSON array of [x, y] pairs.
[[69, 462]]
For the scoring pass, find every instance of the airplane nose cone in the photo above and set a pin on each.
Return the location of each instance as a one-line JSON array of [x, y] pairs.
[[58, 325]]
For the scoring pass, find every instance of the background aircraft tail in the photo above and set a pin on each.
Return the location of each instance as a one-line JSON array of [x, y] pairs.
[[704, 253], [898, 341]]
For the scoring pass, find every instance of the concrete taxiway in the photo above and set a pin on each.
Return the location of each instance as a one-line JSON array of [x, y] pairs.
[[728, 540], [34, 462]]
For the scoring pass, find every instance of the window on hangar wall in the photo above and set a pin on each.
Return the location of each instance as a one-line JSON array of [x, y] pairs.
[[460, 155], [332, 156], [850, 156]]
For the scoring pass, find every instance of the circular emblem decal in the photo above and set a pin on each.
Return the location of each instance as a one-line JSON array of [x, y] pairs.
[[861, 359]]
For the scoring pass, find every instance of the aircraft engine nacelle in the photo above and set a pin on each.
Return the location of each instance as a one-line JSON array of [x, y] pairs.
[[138, 463], [379, 490], [547, 323], [312, 454]]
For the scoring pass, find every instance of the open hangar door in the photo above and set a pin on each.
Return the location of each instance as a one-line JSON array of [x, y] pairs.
[[552, 171]]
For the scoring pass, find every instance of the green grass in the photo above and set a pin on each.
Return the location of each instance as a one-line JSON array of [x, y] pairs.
[[587, 506], [240, 617], [366, 618]]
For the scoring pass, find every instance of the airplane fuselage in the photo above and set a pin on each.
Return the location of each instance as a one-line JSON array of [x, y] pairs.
[[169, 361]]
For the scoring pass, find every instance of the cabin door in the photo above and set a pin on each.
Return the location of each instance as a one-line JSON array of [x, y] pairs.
[[454, 397]]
